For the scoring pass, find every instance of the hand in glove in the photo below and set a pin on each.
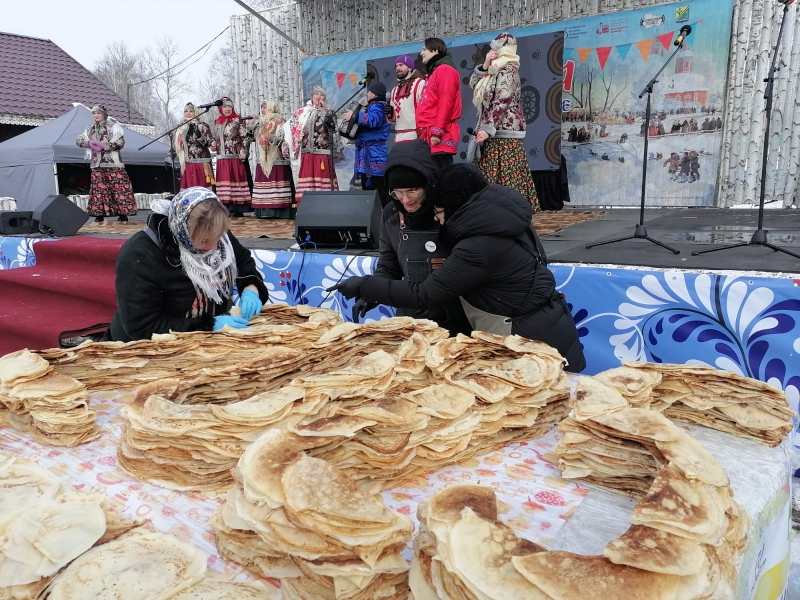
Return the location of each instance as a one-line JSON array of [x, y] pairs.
[[250, 303], [96, 146], [349, 288], [230, 321], [361, 308]]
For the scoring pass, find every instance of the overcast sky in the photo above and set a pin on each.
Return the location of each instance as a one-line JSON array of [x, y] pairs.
[[83, 29]]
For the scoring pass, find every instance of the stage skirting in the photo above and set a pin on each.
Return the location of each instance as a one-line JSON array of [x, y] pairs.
[[743, 322]]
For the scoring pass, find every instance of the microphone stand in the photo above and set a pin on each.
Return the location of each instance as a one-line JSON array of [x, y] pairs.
[[641, 231], [169, 133], [330, 123], [760, 235]]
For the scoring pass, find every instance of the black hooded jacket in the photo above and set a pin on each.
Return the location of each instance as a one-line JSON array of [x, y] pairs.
[[154, 295], [493, 267]]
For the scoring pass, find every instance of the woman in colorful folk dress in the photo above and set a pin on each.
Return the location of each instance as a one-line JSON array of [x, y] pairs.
[[273, 191], [111, 193], [312, 133], [501, 122], [232, 140], [193, 144]]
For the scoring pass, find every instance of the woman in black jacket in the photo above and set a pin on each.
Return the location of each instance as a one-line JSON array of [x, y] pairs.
[[179, 272], [495, 267], [411, 245]]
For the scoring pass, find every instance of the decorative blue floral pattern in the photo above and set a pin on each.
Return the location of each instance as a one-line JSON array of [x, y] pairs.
[[748, 325]]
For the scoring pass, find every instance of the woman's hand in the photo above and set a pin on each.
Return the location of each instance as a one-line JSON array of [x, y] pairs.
[[490, 57], [481, 136]]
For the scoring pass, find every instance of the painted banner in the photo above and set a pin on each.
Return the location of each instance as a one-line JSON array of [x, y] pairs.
[[608, 61]]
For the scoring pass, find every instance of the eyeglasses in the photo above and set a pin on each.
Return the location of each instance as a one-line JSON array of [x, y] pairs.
[[412, 193]]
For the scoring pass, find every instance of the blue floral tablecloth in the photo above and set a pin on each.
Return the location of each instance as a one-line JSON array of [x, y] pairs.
[[745, 324]]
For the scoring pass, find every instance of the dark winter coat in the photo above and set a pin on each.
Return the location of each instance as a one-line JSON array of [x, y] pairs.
[[154, 295], [450, 315], [492, 267]]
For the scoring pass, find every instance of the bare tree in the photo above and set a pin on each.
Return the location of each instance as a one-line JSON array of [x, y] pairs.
[[265, 4], [589, 81], [218, 80], [607, 86], [118, 69], [168, 83]]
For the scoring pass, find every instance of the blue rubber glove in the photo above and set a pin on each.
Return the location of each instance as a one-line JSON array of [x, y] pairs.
[[235, 322], [250, 303]]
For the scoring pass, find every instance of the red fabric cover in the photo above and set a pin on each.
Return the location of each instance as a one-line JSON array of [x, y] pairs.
[[71, 287], [440, 108]]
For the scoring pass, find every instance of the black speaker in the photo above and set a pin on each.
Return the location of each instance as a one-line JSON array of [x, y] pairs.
[[341, 219], [16, 222], [58, 216]]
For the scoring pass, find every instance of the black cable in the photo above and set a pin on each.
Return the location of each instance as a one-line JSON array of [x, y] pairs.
[[350, 262]]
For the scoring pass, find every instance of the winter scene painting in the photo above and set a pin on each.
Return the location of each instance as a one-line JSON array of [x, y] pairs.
[[608, 61]]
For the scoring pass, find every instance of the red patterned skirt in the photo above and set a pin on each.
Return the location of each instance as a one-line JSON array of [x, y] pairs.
[[503, 162], [315, 175], [232, 182], [274, 191], [194, 175], [111, 193]]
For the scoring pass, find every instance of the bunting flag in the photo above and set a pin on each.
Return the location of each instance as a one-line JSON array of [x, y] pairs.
[[644, 47], [666, 39], [623, 50], [583, 54], [353, 78], [602, 56], [340, 79]]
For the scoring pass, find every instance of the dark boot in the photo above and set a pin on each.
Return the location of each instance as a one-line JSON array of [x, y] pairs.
[[123, 218], [99, 219]]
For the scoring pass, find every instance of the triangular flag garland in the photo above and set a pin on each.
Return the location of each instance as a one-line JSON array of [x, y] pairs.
[[353, 78], [623, 49], [340, 79], [602, 56], [583, 54], [666, 39], [644, 47]]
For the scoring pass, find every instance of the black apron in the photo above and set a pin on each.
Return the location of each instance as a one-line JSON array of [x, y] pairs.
[[419, 254]]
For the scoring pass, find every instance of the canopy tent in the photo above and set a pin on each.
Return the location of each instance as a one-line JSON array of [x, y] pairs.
[[27, 161]]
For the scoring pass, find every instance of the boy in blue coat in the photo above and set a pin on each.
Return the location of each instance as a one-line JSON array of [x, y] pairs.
[[371, 137]]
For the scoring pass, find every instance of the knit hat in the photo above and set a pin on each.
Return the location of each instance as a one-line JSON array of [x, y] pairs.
[[189, 106], [405, 60], [504, 39], [99, 108], [379, 89], [454, 185], [318, 89], [402, 177]]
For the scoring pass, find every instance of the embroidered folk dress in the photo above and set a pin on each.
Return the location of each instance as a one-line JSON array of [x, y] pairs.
[[193, 144], [232, 190], [111, 192], [273, 190]]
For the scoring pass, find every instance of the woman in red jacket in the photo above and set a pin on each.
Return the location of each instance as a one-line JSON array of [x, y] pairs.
[[440, 106]]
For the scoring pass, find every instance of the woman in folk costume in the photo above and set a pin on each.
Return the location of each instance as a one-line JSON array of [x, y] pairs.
[[501, 121], [273, 192], [111, 192], [311, 144], [193, 144], [178, 273], [232, 140]]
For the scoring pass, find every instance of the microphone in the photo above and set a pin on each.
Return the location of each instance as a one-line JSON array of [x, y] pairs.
[[685, 30], [210, 104], [364, 80]]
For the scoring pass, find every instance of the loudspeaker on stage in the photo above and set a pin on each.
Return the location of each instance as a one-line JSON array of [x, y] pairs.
[[58, 216], [351, 219]]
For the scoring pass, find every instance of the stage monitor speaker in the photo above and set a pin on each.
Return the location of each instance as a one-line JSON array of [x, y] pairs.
[[58, 216], [341, 219], [16, 222]]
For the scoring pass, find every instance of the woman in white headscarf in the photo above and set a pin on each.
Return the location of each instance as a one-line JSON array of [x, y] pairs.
[[192, 144], [111, 193], [273, 190], [501, 120], [179, 273], [311, 140]]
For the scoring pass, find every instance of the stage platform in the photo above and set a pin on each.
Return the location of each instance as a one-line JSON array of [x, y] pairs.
[[737, 310]]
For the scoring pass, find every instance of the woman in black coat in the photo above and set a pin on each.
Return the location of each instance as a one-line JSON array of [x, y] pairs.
[[178, 273], [495, 267]]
